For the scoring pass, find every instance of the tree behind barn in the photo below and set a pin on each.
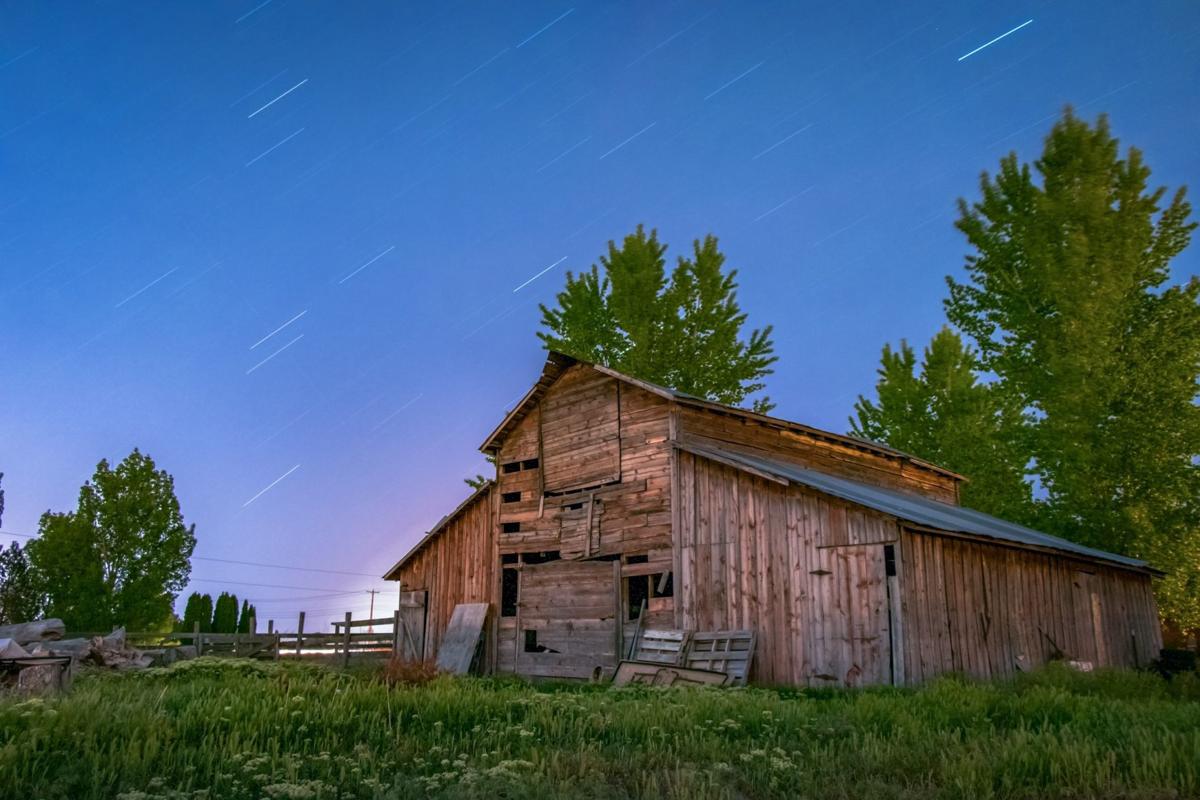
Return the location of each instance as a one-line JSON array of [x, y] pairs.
[[121, 556], [1069, 302], [683, 330], [946, 415]]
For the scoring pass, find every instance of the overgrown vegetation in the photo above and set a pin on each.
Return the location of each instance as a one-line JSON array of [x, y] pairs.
[[208, 728]]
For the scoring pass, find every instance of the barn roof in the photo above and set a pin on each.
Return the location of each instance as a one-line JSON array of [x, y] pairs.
[[557, 363], [914, 509], [483, 489]]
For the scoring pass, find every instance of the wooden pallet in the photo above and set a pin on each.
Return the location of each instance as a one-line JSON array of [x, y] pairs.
[[661, 646], [730, 652]]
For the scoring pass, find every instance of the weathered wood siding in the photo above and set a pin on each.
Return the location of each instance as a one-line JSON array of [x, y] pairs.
[[701, 426], [572, 608], [988, 610], [603, 452], [629, 512], [805, 571], [458, 565]]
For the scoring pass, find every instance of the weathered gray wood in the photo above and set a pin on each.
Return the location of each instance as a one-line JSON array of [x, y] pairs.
[[300, 633], [656, 674], [346, 644], [42, 630], [461, 638]]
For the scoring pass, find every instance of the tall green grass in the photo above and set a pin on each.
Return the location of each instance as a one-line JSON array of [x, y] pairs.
[[240, 729]]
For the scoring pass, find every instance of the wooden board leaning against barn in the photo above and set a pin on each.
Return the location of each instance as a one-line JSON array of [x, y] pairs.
[[462, 638]]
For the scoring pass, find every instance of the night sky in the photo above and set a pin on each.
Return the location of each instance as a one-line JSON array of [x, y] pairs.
[[286, 248]]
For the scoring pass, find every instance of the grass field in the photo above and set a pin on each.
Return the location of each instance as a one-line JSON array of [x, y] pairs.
[[226, 729]]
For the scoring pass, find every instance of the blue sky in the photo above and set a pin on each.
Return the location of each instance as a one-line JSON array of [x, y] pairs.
[[368, 183]]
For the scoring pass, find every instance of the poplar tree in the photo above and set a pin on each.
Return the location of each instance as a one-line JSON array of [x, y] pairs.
[[199, 609], [940, 411], [683, 330], [225, 614], [1068, 298], [248, 614]]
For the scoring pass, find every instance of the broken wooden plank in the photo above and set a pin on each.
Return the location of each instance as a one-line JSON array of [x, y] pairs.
[[462, 638], [656, 674]]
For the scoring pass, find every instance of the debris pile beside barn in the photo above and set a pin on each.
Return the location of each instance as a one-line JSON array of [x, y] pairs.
[[35, 659]]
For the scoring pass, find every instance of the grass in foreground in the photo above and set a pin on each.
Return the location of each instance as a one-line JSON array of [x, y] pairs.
[[240, 729]]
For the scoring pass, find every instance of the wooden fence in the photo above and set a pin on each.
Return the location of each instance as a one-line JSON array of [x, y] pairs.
[[349, 636]]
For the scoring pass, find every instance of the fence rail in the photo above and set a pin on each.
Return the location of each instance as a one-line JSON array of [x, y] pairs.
[[344, 640]]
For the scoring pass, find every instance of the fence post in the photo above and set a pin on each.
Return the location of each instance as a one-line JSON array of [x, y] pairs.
[[253, 627], [196, 639], [346, 642], [274, 637], [396, 633], [300, 633]]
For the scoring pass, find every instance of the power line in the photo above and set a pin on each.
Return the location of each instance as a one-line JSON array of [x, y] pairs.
[[275, 586], [281, 566]]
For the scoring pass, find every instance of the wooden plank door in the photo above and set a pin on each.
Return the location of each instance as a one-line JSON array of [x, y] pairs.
[[411, 646], [567, 619]]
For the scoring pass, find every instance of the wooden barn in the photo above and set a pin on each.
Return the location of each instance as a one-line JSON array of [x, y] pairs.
[[853, 563]]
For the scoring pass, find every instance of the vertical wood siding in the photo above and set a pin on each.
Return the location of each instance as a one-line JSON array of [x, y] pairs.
[[458, 565], [805, 571], [989, 611]]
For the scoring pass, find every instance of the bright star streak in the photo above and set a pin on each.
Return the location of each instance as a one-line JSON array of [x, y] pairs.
[[998, 38], [277, 352], [540, 274], [627, 141], [546, 28], [277, 99], [735, 80], [364, 266], [273, 147], [144, 288], [271, 485], [277, 330]]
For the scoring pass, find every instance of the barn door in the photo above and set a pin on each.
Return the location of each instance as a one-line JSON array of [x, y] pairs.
[[410, 643], [567, 618], [853, 639], [1089, 619]]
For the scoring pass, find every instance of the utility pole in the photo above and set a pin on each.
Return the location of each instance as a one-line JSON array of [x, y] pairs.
[[371, 613]]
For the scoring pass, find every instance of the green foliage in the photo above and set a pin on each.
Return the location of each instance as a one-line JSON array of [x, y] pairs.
[[946, 415], [244, 730], [682, 331], [225, 614], [21, 598], [121, 556], [199, 609], [249, 613], [1069, 303]]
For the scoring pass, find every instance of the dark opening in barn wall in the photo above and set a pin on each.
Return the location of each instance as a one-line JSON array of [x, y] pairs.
[[509, 581]]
